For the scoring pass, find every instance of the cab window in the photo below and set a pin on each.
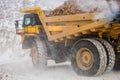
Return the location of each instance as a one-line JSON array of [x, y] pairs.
[[31, 20], [27, 21]]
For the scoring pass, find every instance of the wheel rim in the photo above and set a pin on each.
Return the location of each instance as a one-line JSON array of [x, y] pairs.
[[34, 55], [84, 59]]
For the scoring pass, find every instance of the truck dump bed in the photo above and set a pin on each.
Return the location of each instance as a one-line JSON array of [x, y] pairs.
[[70, 26]]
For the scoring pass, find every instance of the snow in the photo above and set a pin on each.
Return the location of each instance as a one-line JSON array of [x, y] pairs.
[[20, 71], [16, 64]]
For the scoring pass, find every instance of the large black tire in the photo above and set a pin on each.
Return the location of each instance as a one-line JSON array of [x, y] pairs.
[[39, 54], [99, 57], [110, 54]]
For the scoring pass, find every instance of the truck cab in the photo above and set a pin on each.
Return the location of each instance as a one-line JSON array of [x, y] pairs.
[[30, 25]]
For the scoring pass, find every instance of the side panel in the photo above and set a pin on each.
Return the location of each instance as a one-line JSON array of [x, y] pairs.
[[31, 29]]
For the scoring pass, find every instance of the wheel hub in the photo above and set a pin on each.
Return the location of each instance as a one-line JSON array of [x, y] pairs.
[[84, 59], [34, 55]]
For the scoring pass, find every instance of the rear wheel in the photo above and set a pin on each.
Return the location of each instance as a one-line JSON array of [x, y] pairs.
[[39, 54], [110, 54], [89, 57]]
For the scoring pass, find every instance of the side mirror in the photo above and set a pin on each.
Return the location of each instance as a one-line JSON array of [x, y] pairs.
[[16, 24]]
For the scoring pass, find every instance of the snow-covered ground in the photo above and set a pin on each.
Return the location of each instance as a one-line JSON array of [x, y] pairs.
[[23, 70], [15, 63]]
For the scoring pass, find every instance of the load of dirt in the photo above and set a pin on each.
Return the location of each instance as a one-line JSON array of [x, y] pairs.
[[69, 7], [74, 7]]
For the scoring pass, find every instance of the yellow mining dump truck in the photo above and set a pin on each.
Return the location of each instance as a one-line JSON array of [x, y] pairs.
[[90, 45]]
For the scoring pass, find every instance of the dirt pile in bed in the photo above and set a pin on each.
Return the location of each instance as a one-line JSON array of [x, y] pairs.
[[69, 7], [74, 7]]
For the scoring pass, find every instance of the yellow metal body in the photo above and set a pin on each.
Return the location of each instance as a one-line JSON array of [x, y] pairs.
[[31, 29], [60, 28], [55, 28]]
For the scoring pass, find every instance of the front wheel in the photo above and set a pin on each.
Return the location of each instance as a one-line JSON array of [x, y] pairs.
[[39, 54], [89, 57]]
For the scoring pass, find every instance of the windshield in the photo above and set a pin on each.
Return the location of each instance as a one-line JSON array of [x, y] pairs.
[[27, 21], [31, 20]]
